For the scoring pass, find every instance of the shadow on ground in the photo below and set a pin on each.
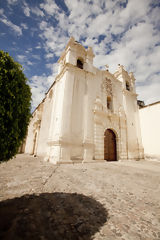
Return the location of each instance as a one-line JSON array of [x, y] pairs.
[[51, 216]]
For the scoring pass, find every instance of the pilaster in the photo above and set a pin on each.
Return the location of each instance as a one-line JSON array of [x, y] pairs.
[[60, 126]]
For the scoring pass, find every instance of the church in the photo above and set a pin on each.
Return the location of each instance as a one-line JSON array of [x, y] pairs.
[[87, 114]]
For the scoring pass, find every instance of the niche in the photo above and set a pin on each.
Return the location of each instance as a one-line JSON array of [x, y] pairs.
[[79, 63], [109, 103], [127, 86]]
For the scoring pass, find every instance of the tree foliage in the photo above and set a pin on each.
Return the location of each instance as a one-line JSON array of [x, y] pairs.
[[15, 102]]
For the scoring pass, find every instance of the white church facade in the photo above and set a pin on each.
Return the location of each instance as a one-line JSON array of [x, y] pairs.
[[87, 115]]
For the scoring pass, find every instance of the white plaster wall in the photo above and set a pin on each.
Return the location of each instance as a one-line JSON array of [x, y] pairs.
[[44, 128], [57, 122], [90, 96], [150, 129], [67, 106], [117, 96], [29, 138], [77, 123], [131, 112], [57, 148], [133, 135], [32, 129]]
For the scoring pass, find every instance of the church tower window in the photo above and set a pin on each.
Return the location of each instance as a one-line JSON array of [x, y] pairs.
[[79, 64], [127, 86]]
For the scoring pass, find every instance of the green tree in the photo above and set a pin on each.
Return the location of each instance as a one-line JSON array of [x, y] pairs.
[[15, 103]]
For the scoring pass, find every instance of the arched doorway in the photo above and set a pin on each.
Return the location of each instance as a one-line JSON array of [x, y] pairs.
[[110, 152]]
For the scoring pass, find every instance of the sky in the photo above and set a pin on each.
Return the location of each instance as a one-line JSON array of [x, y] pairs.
[[127, 32]]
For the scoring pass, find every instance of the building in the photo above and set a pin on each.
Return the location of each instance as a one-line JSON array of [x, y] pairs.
[[150, 129], [88, 114]]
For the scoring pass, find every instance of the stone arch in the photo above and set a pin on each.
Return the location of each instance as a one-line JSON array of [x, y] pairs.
[[116, 131]]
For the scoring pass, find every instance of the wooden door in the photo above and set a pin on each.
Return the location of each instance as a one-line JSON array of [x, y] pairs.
[[110, 153]]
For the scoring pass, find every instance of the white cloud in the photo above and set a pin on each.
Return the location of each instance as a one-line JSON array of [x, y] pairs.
[[21, 58], [36, 56], [130, 35], [54, 39], [49, 7], [38, 89], [12, 1], [40, 84], [1, 11], [49, 55], [38, 47], [150, 92], [37, 11], [26, 9], [14, 27], [24, 61], [24, 26]]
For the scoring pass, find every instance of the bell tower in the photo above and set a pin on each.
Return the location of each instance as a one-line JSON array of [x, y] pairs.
[[76, 55], [68, 124]]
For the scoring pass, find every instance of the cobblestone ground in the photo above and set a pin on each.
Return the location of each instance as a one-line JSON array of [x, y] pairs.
[[112, 200]]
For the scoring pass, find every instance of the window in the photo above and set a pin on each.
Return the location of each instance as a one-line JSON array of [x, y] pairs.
[[79, 64], [127, 86], [109, 103]]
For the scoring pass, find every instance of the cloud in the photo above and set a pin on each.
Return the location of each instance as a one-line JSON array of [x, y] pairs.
[[26, 9], [54, 39], [14, 27], [24, 61], [38, 47], [1, 11], [40, 84], [21, 58], [118, 32], [50, 7], [149, 92], [37, 12], [12, 1], [24, 26], [49, 55]]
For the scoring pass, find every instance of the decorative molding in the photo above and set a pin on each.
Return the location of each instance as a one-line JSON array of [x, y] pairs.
[[106, 114], [107, 86], [126, 92]]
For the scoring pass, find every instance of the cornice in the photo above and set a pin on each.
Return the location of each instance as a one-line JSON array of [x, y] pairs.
[[61, 142], [126, 92], [106, 114]]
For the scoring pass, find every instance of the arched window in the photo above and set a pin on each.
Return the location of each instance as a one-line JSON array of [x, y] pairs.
[[127, 86], [79, 64], [109, 103]]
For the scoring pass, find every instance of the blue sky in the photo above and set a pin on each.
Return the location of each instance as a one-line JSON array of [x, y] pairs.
[[126, 32]]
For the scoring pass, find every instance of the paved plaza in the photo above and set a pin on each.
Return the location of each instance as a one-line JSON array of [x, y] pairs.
[[111, 200]]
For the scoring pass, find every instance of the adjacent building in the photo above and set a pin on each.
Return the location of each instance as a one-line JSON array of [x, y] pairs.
[[150, 129]]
